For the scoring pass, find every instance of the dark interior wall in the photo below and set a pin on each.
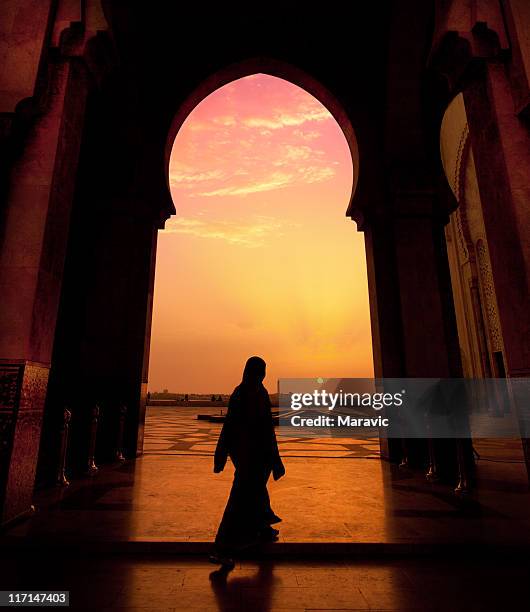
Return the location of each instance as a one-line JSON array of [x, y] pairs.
[[371, 59], [98, 354], [140, 67], [101, 345]]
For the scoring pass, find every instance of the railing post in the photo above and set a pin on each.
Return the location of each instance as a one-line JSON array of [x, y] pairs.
[[92, 468], [121, 429], [432, 471], [462, 488], [61, 479], [404, 454]]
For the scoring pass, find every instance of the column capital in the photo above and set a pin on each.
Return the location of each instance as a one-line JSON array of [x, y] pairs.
[[138, 208], [464, 37], [402, 204]]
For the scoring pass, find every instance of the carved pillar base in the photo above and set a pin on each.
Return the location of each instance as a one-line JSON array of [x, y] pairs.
[[22, 393]]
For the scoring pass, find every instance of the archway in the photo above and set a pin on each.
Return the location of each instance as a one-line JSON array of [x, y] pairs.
[[261, 177], [217, 191], [275, 68]]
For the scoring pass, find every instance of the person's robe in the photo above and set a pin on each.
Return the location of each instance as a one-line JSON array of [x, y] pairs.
[[248, 438]]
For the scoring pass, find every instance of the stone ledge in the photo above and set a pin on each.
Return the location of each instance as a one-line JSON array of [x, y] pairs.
[[317, 550]]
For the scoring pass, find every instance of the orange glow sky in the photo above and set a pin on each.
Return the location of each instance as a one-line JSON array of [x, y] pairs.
[[260, 258]]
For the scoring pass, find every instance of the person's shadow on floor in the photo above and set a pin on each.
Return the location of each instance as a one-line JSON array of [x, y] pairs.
[[248, 592]]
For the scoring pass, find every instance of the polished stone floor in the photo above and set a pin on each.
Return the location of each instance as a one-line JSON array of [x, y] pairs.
[[357, 498], [179, 583]]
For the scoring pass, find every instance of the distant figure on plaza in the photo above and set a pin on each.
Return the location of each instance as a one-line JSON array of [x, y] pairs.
[[248, 438]]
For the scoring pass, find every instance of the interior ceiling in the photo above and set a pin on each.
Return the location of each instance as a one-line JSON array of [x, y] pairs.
[[334, 28]]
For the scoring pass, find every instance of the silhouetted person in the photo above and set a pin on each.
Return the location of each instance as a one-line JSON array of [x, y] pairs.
[[248, 438]]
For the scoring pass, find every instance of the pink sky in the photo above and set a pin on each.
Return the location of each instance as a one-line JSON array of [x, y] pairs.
[[260, 258]]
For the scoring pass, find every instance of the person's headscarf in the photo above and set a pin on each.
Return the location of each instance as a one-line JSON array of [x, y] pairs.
[[254, 372]]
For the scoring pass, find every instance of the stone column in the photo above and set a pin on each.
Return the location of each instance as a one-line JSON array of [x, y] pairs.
[[118, 328], [413, 324], [429, 325], [429, 322], [105, 351], [385, 309], [500, 139], [501, 148], [35, 229]]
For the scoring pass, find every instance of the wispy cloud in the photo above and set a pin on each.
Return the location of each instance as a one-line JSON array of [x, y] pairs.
[[225, 120], [274, 181], [296, 174], [236, 147], [283, 119], [295, 153], [252, 233], [179, 178], [306, 134], [315, 174]]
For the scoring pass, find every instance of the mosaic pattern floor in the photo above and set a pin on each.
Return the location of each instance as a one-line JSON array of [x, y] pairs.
[[176, 431]]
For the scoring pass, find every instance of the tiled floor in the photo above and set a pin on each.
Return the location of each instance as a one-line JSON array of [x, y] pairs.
[[170, 497], [167, 497], [191, 584], [176, 431]]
